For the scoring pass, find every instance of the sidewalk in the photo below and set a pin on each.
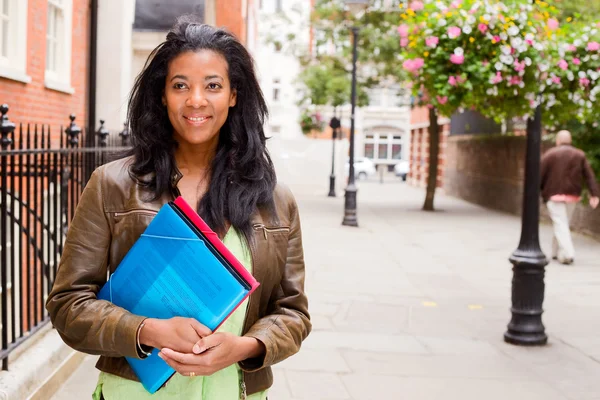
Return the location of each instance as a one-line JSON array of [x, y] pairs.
[[413, 305]]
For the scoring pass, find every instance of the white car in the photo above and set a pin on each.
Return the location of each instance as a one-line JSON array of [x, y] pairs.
[[363, 168], [401, 169]]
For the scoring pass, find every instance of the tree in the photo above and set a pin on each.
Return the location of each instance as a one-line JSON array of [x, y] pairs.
[[502, 59], [327, 82]]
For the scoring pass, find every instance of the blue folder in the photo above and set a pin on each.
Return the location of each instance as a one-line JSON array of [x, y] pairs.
[[173, 270]]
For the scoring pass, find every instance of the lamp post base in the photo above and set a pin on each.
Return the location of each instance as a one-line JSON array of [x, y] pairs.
[[350, 206], [331, 186], [526, 327]]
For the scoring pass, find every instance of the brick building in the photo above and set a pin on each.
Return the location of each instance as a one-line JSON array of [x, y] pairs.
[[44, 60]]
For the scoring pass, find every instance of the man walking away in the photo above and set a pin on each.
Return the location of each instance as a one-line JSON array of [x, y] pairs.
[[564, 169]]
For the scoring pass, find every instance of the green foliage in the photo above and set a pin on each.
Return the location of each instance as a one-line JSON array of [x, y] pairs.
[[578, 10], [327, 82]]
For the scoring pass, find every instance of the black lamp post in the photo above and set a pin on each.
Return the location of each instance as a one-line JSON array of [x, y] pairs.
[[335, 125], [355, 7], [526, 327]]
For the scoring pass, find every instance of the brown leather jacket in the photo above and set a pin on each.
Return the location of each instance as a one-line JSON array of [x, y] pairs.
[[110, 217]]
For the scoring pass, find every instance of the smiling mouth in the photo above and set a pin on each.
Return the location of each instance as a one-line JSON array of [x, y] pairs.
[[196, 120]]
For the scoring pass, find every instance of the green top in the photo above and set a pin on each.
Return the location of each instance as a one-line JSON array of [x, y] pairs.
[[222, 385]]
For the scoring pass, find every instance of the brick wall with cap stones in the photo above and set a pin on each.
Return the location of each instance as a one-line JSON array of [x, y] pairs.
[[33, 102], [489, 170]]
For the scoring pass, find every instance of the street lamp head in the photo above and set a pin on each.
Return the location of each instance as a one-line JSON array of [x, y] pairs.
[[356, 7]]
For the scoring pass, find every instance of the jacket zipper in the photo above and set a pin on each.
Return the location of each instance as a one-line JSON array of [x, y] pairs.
[[245, 328], [258, 227], [136, 211]]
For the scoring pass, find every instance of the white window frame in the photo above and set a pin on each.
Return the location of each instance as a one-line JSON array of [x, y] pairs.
[[60, 79], [389, 140], [14, 65]]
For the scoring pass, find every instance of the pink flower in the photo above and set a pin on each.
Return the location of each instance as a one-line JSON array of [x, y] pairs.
[[413, 65], [460, 79], [584, 81], [571, 47], [576, 61], [457, 59], [452, 81], [432, 41], [454, 32], [482, 28], [497, 79], [519, 66], [485, 63], [562, 64], [514, 80], [403, 30], [556, 80], [455, 4], [529, 42], [442, 99], [496, 39], [416, 5], [593, 46], [404, 42], [553, 24]]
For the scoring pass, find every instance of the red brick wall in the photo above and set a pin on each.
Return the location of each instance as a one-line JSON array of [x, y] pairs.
[[489, 170], [230, 16], [33, 102], [419, 148]]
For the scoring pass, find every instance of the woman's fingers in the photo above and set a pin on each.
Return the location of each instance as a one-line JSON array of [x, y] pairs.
[[180, 368], [200, 329], [207, 342]]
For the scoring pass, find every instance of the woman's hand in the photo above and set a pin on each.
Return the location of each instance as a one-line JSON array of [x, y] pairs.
[[212, 354], [179, 334]]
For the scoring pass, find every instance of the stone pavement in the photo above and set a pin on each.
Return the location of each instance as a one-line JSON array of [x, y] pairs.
[[413, 305]]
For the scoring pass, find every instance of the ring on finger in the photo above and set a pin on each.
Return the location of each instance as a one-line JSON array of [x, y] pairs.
[[192, 374]]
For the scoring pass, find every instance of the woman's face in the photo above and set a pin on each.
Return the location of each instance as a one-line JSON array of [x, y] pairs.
[[198, 96]]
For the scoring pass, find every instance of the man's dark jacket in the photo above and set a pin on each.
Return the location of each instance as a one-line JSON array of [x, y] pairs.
[[564, 169]]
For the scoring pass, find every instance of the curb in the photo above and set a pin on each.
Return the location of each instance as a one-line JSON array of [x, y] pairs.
[[39, 371]]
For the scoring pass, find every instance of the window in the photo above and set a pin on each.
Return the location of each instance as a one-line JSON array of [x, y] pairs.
[[396, 151], [58, 45], [5, 24], [383, 147], [276, 90], [13, 40], [382, 151]]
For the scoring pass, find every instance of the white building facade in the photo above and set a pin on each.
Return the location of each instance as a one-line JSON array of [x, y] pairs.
[[277, 61]]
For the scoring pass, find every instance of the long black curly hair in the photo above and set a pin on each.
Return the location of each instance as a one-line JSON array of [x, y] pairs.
[[242, 176]]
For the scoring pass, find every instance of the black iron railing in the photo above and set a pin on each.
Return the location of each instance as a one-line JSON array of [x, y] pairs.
[[42, 175]]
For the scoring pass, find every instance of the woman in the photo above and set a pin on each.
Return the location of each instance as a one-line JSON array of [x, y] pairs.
[[196, 114]]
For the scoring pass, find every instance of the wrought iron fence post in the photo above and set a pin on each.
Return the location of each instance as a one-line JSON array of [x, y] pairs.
[[125, 135], [6, 129], [102, 135], [72, 132]]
